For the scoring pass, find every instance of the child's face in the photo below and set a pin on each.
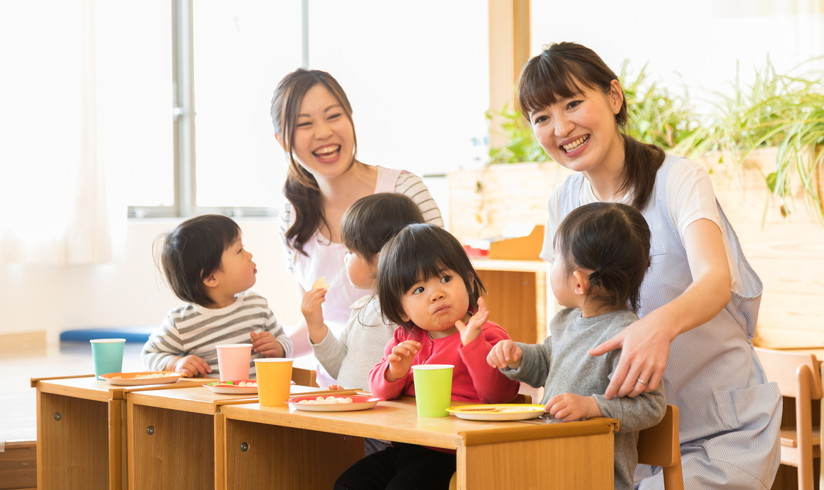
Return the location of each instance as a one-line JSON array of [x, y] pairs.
[[237, 270], [580, 132], [362, 273], [324, 138], [436, 303]]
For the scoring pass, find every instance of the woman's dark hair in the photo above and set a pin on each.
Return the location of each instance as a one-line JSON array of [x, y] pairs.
[[372, 220], [419, 252], [192, 252], [557, 73], [301, 188], [612, 240]]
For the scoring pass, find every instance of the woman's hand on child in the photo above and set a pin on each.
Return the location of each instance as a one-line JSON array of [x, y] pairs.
[[505, 353], [569, 407], [192, 366], [472, 328], [265, 344], [644, 353], [400, 359]]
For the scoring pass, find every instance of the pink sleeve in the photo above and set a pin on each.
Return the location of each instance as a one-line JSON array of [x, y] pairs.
[[492, 386], [377, 381]]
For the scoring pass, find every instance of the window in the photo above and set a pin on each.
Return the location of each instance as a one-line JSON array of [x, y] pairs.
[[170, 98], [416, 77]]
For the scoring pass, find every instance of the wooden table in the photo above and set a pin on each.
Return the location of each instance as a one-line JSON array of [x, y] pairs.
[[284, 448], [175, 437], [80, 432], [516, 296]]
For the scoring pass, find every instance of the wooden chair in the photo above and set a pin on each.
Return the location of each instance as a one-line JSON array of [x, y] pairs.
[[798, 377], [304, 377], [660, 446], [522, 398]]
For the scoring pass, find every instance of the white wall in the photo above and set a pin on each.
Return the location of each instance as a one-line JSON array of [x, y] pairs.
[[130, 291]]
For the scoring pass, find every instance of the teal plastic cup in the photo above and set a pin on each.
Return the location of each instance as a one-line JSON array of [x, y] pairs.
[[107, 355], [433, 389]]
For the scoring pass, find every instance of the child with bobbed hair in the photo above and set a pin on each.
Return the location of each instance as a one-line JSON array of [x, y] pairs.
[[601, 256], [206, 265], [427, 285]]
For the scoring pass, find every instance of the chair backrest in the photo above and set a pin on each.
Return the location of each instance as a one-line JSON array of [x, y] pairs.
[[782, 366], [522, 398], [660, 446], [798, 377], [304, 377]]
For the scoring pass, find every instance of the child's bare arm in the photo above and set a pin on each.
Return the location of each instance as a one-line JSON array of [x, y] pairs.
[[400, 360]]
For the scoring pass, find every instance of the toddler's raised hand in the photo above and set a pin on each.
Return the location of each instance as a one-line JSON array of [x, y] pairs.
[[472, 328], [400, 359], [505, 353], [569, 407], [311, 307]]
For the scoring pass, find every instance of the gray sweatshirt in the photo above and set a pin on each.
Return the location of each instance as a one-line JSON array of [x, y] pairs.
[[349, 358], [561, 365]]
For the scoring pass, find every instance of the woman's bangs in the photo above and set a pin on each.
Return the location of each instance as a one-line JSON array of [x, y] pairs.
[[545, 83]]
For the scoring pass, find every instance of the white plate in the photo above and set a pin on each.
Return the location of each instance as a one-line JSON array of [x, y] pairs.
[[359, 402], [499, 411], [223, 388], [143, 378]]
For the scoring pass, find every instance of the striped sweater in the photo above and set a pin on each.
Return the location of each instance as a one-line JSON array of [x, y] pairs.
[[192, 329]]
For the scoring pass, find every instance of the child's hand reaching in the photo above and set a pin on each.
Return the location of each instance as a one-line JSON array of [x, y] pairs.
[[568, 407], [191, 366], [505, 353], [400, 360], [265, 344], [472, 328]]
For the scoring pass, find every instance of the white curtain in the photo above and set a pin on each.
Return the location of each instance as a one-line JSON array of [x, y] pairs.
[[56, 204]]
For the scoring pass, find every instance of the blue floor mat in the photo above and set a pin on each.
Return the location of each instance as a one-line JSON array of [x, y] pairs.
[[130, 333]]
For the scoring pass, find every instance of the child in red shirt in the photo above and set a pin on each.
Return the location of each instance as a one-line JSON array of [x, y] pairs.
[[427, 285]]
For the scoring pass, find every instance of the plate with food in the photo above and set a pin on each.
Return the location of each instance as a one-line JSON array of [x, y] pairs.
[[497, 412], [236, 387], [332, 403], [142, 378]]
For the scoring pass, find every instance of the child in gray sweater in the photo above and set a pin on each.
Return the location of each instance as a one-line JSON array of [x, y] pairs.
[[602, 251]]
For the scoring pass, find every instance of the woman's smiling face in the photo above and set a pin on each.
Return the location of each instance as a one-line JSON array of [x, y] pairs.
[[324, 137], [580, 132]]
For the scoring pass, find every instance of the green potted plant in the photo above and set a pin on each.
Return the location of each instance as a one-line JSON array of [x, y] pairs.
[[783, 112]]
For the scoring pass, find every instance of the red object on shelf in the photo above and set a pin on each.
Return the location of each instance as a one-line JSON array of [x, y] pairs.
[[476, 252]]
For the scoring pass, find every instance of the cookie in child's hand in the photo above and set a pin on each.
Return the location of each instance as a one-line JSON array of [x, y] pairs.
[[320, 283]]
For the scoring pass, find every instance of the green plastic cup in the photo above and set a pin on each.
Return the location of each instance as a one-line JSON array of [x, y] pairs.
[[107, 355], [433, 389]]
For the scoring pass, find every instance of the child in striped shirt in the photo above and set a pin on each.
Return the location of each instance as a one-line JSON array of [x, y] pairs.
[[206, 265]]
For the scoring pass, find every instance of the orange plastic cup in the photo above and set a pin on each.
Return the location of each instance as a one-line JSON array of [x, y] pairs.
[[274, 379]]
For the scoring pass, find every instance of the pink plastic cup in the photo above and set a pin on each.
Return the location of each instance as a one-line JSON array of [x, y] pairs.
[[233, 361]]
